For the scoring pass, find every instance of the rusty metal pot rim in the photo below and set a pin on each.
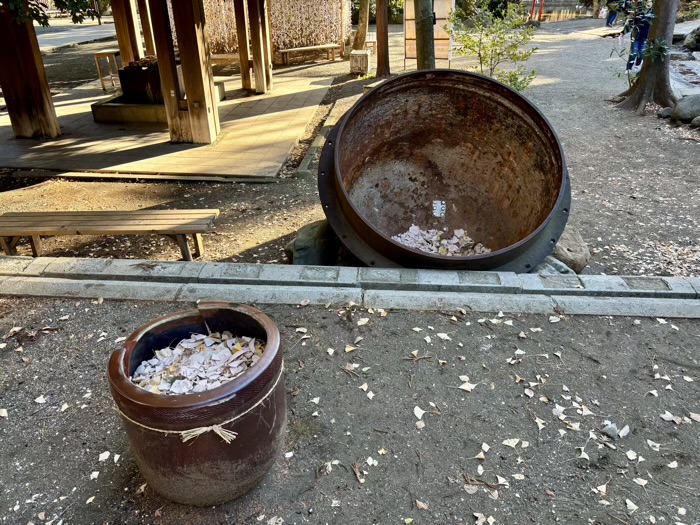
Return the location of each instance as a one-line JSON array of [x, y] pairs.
[[376, 92], [137, 395]]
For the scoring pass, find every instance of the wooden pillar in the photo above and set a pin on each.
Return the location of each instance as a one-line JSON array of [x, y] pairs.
[[342, 28], [178, 119], [383, 68], [267, 41], [241, 14], [146, 26], [257, 45], [196, 70], [23, 80], [128, 34]]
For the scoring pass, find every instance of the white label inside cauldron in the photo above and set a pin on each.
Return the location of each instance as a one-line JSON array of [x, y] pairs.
[[439, 209]]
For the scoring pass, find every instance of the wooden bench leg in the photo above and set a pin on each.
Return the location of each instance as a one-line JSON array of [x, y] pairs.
[[184, 247], [9, 245], [35, 241], [198, 245]]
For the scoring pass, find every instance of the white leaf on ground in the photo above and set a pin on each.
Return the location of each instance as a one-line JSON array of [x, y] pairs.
[[485, 447], [493, 494], [418, 412], [667, 416], [370, 395], [673, 464], [420, 425], [502, 481], [467, 387], [103, 456], [559, 411], [444, 337], [625, 430], [583, 454], [315, 400], [464, 378], [508, 322], [13, 331], [330, 351], [288, 455], [480, 470], [349, 348], [302, 330], [554, 319], [480, 518], [540, 423], [674, 327], [64, 407], [480, 456], [653, 445], [64, 318], [116, 457], [640, 481], [3, 412], [372, 462], [363, 321], [654, 393], [427, 339], [529, 392], [630, 506], [358, 339], [681, 511], [661, 321], [511, 442], [382, 451], [94, 474], [421, 506], [694, 416], [363, 387], [519, 477], [305, 302], [524, 444], [604, 502], [90, 500], [41, 399], [141, 489], [519, 352], [585, 411], [120, 339], [631, 455], [416, 329], [522, 335], [536, 329], [688, 379]]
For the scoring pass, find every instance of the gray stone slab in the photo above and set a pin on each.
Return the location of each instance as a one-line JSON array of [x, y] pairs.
[[550, 284], [677, 287], [438, 280], [224, 272], [38, 265], [77, 268], [628, 306], [477, 302], [152, 271], [13, 265], [240, 293], [52, 287], [695, 283]]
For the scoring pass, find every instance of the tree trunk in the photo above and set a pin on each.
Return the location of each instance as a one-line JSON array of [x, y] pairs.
[[383, 68], [23, 80], [425, 38], [362, 26], [596, 8], [654, 83]]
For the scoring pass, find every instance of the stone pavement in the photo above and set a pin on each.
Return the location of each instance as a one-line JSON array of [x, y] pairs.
[[257, 133], [63, 33], [406, 289]]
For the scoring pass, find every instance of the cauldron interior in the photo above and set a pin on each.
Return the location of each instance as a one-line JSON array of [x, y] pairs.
[[464, 141]]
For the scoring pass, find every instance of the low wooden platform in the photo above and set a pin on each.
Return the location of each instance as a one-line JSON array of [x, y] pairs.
[[176, 224], [328, 48]]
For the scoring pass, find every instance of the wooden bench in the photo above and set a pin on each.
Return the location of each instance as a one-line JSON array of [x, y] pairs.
[[328, 48], [176, 224]]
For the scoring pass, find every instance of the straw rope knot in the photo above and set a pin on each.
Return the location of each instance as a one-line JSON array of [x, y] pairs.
[[227, 435]]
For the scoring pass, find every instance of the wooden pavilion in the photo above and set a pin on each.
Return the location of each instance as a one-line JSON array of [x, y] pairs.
[[191, 108]]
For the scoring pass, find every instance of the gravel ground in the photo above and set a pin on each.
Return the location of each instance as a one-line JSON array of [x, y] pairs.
[[563, 472], [635, 192]]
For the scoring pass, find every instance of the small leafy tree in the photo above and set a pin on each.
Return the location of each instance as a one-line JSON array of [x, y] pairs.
[[495, 40], [23, 10]]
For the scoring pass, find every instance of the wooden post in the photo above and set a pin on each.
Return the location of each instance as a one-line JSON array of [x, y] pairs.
[[127, 29], [145, 16], [383, 67], [196, 70], [23, 80], [178, 120], [267, 41], [241, 14], [257, 45], [342, 28]]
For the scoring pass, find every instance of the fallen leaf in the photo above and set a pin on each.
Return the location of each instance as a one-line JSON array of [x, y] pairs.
[[661, 321], [485, 447], [420, 424], [363, 321], [540, 423], [330, 351], [13, 331], [480, 456], [141, 489], [305, 302], [40, 399], [694, 416], [602, 489], [536, 329], [529, 392], [427, 339], [418, 412], [116, 457], [631, 455], [667, 416], [363, 387], [688, 379], [416, 329], [583, 455], [408, 521], [370, 395], [630, 506], [554, 319], [382, 451], [444, 337], [302, 330], [653, 445], [349, 348], [522, 335], [673, 464], [94, 474], [519, 477], [3, 412], [467, 387], [315, 400], [625, 430], [92, 498], [358, 339], [103, 456], [511, 442], [421, 506], [640, 481], [120, 339]]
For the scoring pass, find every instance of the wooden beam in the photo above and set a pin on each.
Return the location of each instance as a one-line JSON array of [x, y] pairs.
[[383, 68], [23, 80], [146, 26], [128, 34], [257, 45], [267, 41], [178, 120], [196, 70], [241, 15]]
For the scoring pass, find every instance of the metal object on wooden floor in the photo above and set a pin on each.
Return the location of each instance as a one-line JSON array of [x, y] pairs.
[[449, 141], [211, 447]]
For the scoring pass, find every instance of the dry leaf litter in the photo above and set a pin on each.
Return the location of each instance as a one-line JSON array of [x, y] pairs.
[[441, 243], [198, 363]]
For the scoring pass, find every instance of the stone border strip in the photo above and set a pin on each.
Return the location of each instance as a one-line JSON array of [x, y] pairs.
[[317, 144], [370, 287]]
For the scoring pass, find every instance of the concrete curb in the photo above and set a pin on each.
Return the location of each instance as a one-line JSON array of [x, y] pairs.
[[370, 287], [76, 44], [317, 145]]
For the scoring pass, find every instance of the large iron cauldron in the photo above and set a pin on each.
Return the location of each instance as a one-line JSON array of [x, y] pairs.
[[445, 149]]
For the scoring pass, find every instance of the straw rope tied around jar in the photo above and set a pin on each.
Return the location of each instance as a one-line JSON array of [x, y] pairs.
[[193, 433]]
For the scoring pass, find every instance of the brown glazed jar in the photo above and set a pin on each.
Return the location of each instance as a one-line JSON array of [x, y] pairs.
[[205, 470]]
